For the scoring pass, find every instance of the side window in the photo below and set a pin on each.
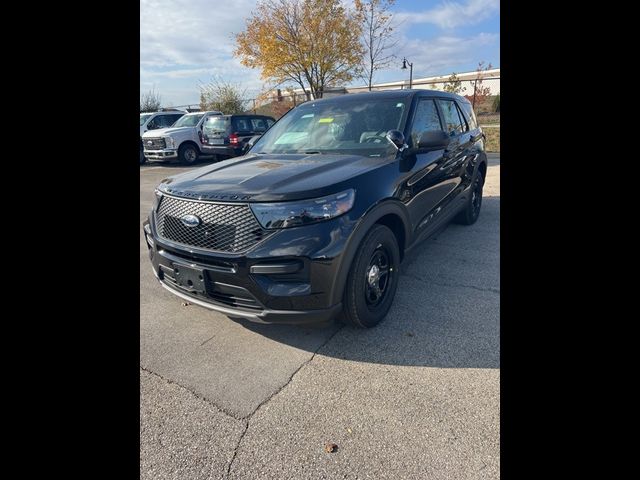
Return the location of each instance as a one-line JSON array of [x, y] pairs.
[[175, 118], [242, 124], [164, 121], [463, 120], [258, 125], [426, 119], [452, 123], [470, 115], [269, 122]]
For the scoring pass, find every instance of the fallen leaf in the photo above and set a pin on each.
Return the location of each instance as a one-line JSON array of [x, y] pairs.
[[330, 447]]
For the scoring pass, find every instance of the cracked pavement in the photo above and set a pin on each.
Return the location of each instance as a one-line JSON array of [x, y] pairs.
[[416, 397]]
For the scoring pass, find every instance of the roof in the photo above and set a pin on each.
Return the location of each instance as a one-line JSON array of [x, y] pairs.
[[214, 112], [399, 93]]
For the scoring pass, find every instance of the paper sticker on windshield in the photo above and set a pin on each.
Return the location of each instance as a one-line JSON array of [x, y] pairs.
[[308, 115], [325, 120]]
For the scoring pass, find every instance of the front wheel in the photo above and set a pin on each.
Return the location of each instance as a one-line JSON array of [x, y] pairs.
[[188, 154], [373, 279], [143, 159]]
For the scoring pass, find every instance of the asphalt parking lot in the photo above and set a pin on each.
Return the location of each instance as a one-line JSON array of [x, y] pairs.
[[416, 397]]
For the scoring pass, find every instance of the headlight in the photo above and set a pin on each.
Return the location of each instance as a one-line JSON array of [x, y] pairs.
[[156, 199], [293, 214], [169, 142]]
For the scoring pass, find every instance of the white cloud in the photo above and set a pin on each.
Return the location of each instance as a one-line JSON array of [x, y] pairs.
[[453, 14], [440, 55]]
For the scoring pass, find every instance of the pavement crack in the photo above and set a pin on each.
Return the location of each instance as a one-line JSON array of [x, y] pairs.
[[461, 285], [197, 395], [208, 340], [247, 419]]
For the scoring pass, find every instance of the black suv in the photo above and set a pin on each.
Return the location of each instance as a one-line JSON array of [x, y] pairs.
[[227, 135], [314, 222]]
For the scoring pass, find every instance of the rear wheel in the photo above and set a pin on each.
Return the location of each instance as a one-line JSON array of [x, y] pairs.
[[470, 214], [373, 279], [188, 154]]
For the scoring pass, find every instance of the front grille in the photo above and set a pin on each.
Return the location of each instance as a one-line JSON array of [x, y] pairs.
[[223, 227], [154, 143]]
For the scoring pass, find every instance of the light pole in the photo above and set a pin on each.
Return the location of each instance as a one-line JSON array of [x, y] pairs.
[[404, 67]]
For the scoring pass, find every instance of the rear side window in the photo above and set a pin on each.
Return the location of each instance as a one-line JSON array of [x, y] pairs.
[[270, 122], [258, 125], [470, 114], [242, 124], [453, 124], [426, 119]]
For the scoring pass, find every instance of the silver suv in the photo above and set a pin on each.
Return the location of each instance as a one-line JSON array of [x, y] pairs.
[[154, 121], [183, 141]]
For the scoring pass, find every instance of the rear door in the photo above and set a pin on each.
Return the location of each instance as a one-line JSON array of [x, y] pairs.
[[242, 126], [457, 154]]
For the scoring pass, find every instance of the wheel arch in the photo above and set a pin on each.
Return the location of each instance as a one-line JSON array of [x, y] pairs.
[[390, 213]]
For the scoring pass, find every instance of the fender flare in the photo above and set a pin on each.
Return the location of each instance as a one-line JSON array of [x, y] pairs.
[[370, 218]]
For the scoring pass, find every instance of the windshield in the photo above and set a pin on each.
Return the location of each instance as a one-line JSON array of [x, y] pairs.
[[346, 126], [188, 121], [143, 118], [216, 124]]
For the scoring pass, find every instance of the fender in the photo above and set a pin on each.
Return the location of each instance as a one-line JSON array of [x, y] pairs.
[[375, 213]]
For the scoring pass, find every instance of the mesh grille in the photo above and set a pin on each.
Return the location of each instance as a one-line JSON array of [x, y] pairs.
[[155, 143], [222, 228]]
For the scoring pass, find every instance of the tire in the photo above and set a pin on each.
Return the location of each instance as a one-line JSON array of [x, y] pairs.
[[188, 154], [143, 159], [471, 211], [360, 307]]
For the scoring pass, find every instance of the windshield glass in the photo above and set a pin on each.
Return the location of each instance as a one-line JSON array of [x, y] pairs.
[[143, 118], [188, 121], [348, 126], [216, 124]]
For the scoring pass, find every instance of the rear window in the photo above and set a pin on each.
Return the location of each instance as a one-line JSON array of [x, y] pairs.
[[216, 124]]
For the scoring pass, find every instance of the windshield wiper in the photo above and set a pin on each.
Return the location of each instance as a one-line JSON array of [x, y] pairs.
[[312, 152]]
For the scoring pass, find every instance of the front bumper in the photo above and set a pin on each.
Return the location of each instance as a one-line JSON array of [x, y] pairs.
[[164, 154], [271, 283]]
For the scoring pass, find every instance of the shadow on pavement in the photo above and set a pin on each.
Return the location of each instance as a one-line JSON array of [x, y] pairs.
[[445, 313]]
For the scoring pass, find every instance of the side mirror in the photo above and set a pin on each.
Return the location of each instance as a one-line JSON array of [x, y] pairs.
[[433, 140], [396, 138], [249, 145]]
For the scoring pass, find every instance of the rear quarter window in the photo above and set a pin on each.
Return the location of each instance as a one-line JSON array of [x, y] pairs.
[[469, 114]]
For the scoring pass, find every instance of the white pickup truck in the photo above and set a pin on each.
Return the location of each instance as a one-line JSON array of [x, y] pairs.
[[154, 121], [182, 141]]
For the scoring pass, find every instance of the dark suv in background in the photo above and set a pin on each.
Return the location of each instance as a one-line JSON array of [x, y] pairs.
[[227, 135], [314, 222]]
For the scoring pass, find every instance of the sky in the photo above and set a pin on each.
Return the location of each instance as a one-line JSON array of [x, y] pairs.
[[185, 43]]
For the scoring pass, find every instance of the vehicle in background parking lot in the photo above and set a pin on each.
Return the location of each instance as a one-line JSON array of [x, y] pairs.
[[183, 141], [314, 222], [154, 121], [227, 135]]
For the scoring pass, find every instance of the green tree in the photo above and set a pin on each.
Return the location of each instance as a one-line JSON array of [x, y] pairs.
[[454, 85], [314, 43]]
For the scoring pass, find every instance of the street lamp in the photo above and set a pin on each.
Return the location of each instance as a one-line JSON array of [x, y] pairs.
[[404, 67]]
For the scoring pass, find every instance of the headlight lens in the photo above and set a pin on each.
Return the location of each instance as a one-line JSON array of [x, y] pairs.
[[169, 142], [293, 214]]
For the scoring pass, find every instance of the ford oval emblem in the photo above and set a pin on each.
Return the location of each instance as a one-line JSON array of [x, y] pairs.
[[149, 142], [190, 220]]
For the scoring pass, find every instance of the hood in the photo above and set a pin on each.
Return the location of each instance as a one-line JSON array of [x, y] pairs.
[[166, 131], [271, 177]]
